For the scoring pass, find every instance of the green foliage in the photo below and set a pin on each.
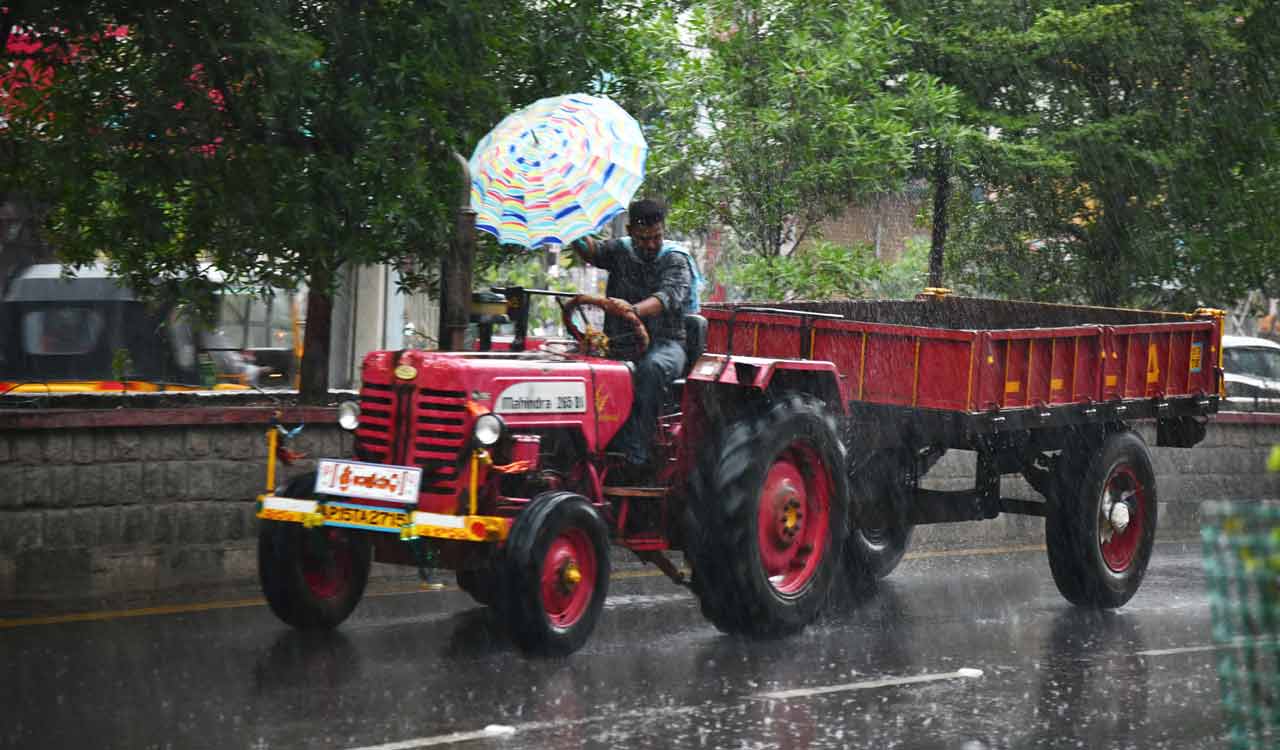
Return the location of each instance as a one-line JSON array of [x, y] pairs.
[[121, 364], [905, 277], [779, 113], [277, 141], [531, 269], [1129, 146], [825, 270]]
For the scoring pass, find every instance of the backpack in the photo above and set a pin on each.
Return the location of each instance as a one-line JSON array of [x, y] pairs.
[[694, 303]]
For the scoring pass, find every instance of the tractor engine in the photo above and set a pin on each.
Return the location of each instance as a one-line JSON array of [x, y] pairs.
[[462, 416]]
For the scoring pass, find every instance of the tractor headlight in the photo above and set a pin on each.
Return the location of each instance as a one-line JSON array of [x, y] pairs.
[[348, 415], [488, 429]]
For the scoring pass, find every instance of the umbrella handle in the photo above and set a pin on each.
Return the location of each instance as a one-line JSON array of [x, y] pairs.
[[611, 306]]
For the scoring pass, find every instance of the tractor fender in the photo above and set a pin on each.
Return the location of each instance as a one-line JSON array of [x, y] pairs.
[[764, 375]]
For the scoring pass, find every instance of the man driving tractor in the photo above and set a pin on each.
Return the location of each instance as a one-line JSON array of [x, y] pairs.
[[656, 280]]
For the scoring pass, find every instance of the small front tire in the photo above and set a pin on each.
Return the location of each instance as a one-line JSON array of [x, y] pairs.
[[480, 583], [555, 574], [311, 578]]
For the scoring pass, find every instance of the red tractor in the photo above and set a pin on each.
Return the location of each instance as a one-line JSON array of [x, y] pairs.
[[779, 470]]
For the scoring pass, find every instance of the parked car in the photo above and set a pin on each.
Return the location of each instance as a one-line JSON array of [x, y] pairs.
[[1252, 372]]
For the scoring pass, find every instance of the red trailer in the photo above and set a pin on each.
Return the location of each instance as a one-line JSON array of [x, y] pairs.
[[789, 457]]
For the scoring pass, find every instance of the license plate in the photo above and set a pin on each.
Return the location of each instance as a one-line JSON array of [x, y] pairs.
[[350, 515], [397, 484]]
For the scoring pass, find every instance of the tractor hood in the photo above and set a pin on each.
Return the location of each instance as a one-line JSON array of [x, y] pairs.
[[529, 390]]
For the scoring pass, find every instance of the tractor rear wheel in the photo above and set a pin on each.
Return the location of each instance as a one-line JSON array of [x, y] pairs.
[[311, 578], [1101, 523], [769, 518], [555, 574]]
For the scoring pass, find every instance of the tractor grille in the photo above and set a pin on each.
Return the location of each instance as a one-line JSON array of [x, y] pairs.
[[421, 427], [440, 421], [373, 437]]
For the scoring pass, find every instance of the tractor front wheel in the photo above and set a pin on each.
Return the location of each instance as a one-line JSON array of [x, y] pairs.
[[770, 518], [480, 583], [555, 574], [311, 578]]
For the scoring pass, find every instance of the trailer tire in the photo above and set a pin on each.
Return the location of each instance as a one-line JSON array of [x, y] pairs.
[[769, 516], [1098, 553], [554, 574], [872, 554], [311, 578]]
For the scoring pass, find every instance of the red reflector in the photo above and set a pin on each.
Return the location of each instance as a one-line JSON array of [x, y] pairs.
[[477, 529], [110, 385]]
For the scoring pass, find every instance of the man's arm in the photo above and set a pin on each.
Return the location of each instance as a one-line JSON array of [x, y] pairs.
[[593, 251], [674, 282]]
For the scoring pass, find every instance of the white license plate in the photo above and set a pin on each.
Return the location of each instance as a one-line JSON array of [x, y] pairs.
[[397, 484]]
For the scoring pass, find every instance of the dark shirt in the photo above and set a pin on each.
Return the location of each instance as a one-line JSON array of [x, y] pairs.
[[667, 277]]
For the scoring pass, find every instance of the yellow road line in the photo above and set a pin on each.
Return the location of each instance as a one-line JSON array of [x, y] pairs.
[[170, 609], [974, 552], [175, 609]]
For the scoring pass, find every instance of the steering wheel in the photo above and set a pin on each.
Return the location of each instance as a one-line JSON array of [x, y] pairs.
[[592, 341]]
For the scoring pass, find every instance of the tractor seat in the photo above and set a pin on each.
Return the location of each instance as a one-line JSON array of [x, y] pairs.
[[695, 343]]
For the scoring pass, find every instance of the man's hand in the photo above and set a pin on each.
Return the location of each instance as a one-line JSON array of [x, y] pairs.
[[621, 307]]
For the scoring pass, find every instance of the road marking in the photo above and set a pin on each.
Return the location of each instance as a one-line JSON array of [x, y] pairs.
[[506, 730], [1168, 651], [649, 714], [170, 609], [783, 695], [1235, 643], [444, 739], [975, 552]]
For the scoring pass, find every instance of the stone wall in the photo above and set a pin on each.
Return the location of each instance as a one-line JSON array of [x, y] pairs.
[[134, 500], [137, 500]]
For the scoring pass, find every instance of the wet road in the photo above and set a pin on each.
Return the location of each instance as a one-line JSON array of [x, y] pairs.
[[430, 669]]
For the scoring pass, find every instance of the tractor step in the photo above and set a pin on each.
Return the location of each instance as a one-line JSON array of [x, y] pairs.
[[635, 491]]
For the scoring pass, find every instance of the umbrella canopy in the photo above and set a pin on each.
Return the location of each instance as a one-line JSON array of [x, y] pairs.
[[556, 170]]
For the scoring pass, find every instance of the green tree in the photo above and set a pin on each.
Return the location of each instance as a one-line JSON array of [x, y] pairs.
[[276, 141], [1128, 146], [825, 270], [779, 113], [820, 270]]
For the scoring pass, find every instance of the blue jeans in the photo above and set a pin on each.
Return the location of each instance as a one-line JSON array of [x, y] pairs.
[[662, 363]]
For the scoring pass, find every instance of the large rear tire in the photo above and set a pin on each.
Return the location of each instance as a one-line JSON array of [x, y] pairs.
[[555, 574], [1101, 523], [311, 578], [770, 517]]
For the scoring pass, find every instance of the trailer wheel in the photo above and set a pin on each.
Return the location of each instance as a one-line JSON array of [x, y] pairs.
[[872, 553], [311, 578], [1101, 524], [770, 515], [555, 574]]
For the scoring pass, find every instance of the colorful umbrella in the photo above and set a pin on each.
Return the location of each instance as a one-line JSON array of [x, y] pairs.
[[556, 170]]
